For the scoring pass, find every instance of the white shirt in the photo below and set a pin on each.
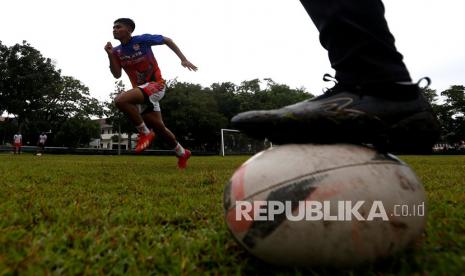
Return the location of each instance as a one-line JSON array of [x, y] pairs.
[[18, 138], [42, 139]]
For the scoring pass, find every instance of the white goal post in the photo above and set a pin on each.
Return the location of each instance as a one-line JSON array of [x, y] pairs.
[[222, 138], [240, 138]]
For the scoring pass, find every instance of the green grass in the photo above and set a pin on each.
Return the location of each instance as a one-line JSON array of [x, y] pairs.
[[140, 215]]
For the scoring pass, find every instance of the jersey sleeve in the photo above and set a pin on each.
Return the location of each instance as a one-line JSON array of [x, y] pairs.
[[153, 39]]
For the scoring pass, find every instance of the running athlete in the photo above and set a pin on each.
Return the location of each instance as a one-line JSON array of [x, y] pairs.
[[141, 103], [17, 143]]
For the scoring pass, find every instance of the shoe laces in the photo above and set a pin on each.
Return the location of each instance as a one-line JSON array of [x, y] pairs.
[[328, 77], [428, 82], [330, 91], [359, 90]]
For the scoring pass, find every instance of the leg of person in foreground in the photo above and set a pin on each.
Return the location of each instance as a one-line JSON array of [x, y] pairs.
[[127, 102], [154, 120], [373, 101]]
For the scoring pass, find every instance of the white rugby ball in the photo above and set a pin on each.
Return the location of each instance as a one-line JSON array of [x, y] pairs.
[[324, 205]]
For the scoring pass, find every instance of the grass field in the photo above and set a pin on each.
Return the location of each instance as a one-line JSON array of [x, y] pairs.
[[140, 215]]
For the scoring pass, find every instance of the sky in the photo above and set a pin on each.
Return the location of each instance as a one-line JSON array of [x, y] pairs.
[[229, 40]]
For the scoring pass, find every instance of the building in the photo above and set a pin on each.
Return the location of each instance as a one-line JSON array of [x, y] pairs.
[[109, 138]]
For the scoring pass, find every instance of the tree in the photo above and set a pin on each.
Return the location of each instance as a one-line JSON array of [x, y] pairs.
[[192, 114], [7, 130], [430, 95], [71, 100], [275, 95], [3, 76], [455, 98], [115, 117], [247, 93], [225, 95], [278, 95], [77, 131], [196, 114], [452, 114], [33, 90], [27, 77]]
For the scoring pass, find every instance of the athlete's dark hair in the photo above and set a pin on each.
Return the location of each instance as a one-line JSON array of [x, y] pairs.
[[126, 21]]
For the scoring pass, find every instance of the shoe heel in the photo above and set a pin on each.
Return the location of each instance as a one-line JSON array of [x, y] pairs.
[[415, 134]]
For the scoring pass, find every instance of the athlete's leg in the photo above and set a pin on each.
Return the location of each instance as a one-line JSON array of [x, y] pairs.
[[127, 102], [154, 121]]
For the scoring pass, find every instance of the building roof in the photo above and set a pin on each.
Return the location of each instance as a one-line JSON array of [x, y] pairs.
[[103, 123]]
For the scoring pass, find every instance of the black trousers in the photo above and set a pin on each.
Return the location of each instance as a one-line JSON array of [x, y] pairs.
[[360, 46]]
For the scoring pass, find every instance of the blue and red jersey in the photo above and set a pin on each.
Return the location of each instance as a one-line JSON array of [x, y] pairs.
[[137, 59]]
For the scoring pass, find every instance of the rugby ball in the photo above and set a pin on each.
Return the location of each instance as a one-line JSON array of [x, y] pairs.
[[324, 205]]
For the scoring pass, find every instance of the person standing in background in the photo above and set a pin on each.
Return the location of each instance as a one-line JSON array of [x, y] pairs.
[[17, 143]]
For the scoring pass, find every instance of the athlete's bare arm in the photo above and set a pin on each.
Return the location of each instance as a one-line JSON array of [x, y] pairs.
[[184, 62], [115, 67]]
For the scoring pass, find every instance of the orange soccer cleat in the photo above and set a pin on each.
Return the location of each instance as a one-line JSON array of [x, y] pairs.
[[182, 160], [144, 141]]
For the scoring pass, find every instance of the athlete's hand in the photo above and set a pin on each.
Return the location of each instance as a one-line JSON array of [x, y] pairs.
[[187, 64], [108, 48]]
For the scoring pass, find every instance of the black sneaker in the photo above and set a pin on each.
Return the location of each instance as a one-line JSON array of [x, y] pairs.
[[392, 117]]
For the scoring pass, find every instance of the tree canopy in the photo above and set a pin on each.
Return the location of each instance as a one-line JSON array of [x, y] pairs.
[[40, 98], [450, 113]]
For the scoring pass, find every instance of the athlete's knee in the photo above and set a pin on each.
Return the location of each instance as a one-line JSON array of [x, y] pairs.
[[119, 102]]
